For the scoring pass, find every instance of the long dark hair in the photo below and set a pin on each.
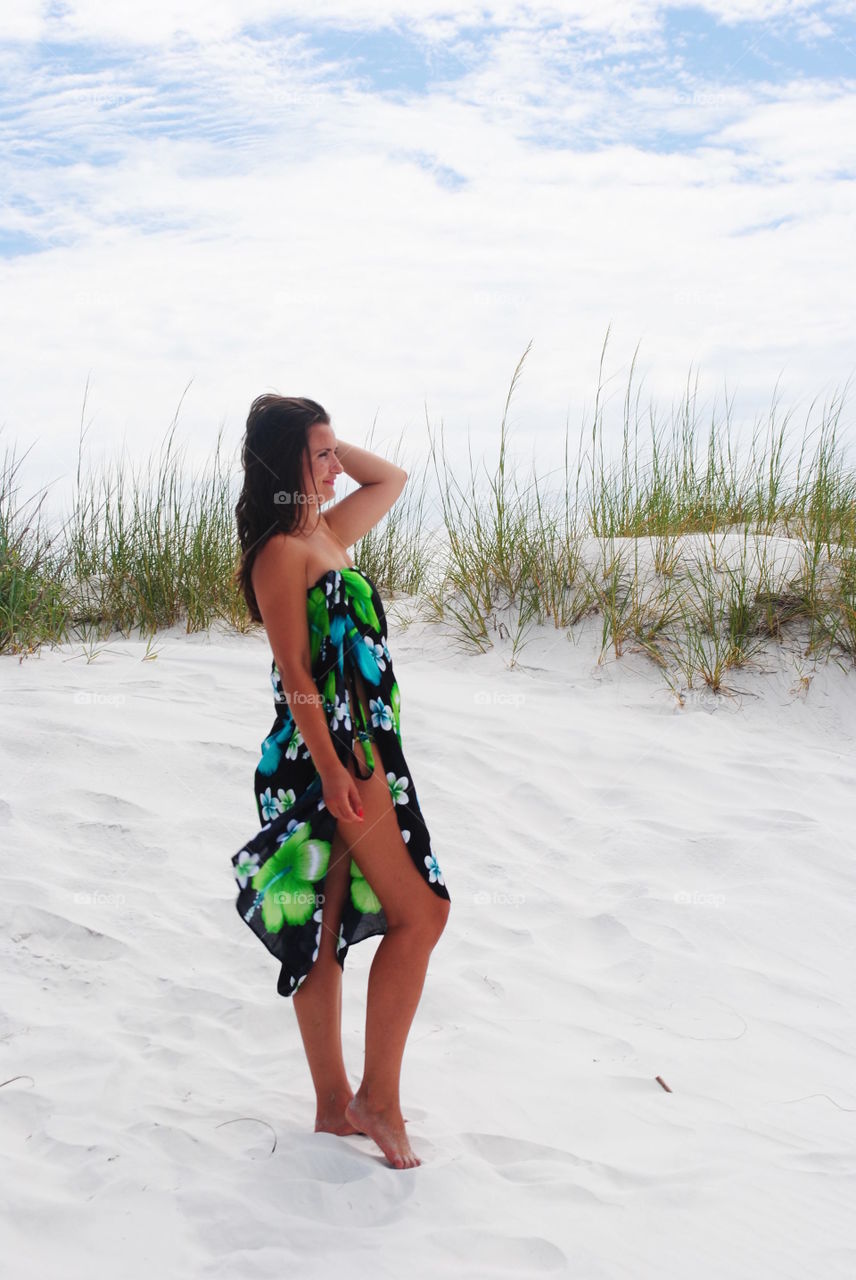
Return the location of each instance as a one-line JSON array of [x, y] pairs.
[[275, 442]]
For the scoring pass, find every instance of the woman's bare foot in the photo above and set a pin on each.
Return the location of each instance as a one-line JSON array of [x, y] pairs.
[[336, 1124], [330, 1115], [386, 1128]]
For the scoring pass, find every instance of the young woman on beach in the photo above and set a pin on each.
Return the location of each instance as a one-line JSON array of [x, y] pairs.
[[345, 853]]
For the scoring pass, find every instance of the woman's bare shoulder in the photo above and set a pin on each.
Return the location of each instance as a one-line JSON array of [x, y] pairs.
[[282, 552], [279, 580]]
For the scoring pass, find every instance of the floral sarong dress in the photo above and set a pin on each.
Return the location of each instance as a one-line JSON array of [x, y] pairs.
[[281, 870]]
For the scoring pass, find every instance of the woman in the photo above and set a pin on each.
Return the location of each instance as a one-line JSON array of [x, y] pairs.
[[345, 853]]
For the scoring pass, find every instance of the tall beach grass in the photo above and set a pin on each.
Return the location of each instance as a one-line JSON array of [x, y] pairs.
[[683, 544]]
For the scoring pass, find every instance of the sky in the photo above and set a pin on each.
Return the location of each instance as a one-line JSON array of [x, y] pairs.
[[383, 205]]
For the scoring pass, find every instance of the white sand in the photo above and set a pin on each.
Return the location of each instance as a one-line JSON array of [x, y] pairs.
[[638, 889]]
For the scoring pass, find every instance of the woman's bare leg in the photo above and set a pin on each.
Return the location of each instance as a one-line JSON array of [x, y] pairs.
[[318, 1005], [416, 917]]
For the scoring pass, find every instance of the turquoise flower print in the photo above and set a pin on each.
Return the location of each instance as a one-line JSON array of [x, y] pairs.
[[434, 872], [377, 652], [363, 895], [272, 748], [273, 805], [364, 655], [286, 879], [398, 788], [246, 867], [381, 713]]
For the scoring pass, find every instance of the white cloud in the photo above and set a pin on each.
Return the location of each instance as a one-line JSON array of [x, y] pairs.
[[126, 23], [227, 213], [23, 20]]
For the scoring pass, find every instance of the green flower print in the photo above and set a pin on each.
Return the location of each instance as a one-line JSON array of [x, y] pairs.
[[363, 895], [286, 879], [246, 867], [318, 618], [395, 699], [359, 592], [398, 788], [329, 689]]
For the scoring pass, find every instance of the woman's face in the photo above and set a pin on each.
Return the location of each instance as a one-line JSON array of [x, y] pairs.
[[323, 462]]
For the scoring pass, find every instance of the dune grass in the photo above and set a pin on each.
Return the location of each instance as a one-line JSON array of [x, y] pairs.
[[680, 545]]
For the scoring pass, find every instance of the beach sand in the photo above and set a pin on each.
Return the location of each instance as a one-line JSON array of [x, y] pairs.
[[639, 889]]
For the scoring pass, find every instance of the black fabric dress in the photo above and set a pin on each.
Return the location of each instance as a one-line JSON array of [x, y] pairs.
[[281, 870]]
